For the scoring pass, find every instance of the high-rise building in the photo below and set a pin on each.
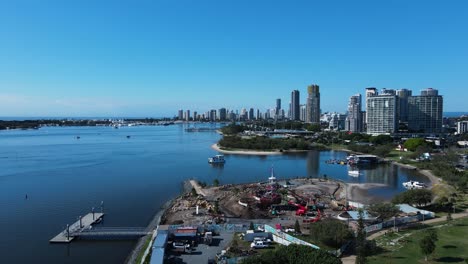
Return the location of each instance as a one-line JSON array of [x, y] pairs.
[[353, 121], [195, 117], [295, 105], [303, 112], [278, 106], [180, 115], [313, 104], [386, 91], [381, 112], [258, 114], [403, 95], [370, 91], [187, 115], [337, 121], [462, 127], [251, 114], [212, 115], [425, 112], [222, 114]]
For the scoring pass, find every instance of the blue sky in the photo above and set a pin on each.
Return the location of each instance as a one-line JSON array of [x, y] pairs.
[[151, 58]]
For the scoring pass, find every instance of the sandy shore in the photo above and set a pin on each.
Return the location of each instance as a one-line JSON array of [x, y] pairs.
[[432, 178], [245, 152], [358, 192]]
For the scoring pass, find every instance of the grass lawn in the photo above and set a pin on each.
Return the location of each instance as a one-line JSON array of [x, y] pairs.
[[403, 247]]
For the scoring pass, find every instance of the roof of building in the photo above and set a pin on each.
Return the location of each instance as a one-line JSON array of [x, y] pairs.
[[408, 209], [157, 256], [161, 239], [365, 215]]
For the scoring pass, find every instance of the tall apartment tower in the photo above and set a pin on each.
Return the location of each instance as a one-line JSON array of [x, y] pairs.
[[278, 106], [187, 115], [370, 91], [313, 104], [295, 106], [195, 117], [251, 114], [222, 114], [353, 121], [403, 95], [180, 114], [303, 112], [381, 113], [425, 112]]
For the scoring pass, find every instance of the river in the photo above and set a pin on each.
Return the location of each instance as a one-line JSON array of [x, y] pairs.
[[64, 177]]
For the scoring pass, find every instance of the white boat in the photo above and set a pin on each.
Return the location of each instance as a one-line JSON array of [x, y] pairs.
[[414, 185], [354, 173], [218, 159]]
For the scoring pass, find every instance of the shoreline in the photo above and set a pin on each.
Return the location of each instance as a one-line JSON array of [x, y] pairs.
[[254, 152], [433, 179]]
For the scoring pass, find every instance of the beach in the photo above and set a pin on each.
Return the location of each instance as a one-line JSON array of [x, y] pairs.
[[244, 152]]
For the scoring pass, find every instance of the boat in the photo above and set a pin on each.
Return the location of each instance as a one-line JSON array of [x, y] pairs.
[[218, 159], [354, 173], [414, 185]]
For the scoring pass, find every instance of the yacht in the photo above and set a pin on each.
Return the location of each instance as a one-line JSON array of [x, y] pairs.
[[354, 173], [414, 185], [218, 159]]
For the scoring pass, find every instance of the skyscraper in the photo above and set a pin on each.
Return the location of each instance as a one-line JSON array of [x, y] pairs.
[[278, 106], [313, 104], [187, 115], [295, 105], [425, 112], [403, 95], [381, 114], [353, 121], [370, 91], [303, 114], [222, 114], [180, 115], [251, 114]]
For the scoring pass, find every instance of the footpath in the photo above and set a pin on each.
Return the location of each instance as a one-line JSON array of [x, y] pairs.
[[352, 259]]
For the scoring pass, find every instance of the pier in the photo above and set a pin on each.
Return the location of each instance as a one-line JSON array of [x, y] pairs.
[[74, 230]]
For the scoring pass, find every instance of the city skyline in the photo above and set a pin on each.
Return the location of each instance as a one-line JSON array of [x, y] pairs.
[[153, 58]]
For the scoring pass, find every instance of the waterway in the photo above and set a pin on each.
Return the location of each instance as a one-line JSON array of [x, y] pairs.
[[64, 177]]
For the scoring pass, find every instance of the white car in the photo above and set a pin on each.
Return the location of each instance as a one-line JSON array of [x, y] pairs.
[[259, 244]]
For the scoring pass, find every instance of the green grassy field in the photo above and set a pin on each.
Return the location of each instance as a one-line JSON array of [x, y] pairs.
[[403, 247]]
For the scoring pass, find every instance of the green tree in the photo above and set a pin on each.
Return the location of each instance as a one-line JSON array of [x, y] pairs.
[[297, 227], [361, 240], [331, 232], [383, 210], [382, 151], [413, 143], [251, 227], [381, 139], [427, 246], [216, 182], [293, 254], [420, 197]]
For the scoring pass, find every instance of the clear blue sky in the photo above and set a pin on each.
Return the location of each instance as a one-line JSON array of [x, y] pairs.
[[151, 58]]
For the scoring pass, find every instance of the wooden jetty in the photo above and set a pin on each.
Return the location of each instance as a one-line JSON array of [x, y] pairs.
[[84, 223]]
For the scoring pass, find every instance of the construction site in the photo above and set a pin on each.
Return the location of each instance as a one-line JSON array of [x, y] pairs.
[[307, 200]]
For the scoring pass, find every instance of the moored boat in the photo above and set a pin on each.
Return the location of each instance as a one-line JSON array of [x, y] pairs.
[[218, 159], [414, 185]]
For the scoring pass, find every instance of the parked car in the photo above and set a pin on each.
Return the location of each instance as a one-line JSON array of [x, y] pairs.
[[259, 244]]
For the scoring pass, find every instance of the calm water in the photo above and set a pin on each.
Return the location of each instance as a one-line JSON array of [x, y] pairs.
[[65, 177]]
